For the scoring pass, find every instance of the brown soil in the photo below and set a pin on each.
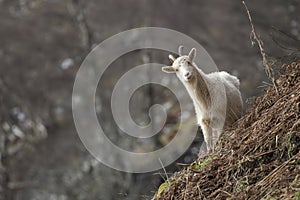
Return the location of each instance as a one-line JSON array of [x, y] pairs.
[[258, 159]]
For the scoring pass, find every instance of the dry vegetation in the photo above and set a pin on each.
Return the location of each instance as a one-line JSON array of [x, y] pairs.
[[258, 159]]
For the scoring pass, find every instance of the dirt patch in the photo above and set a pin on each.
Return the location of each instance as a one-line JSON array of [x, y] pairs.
[[258, 159]]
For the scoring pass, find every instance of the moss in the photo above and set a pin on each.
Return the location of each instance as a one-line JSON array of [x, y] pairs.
[[242, 184], [199, 165], [296, 195], [270, 198], [161, 188]]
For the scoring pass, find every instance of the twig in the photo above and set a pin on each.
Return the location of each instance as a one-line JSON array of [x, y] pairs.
[[268, 69], [270, 176], [281, 45], [286, 34], [86, 35], [4, 176], [164, 171], [226, 193]]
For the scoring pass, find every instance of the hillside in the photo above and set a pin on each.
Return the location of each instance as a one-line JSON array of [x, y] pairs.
[[258, 159]]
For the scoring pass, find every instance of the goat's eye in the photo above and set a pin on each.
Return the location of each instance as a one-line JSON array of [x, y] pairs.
[[176, 70]]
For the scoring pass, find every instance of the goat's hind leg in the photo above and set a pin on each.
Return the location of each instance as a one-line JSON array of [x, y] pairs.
[[215, 137], [210, 142]]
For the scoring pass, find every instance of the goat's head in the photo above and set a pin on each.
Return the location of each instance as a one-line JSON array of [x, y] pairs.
[[183, 65]]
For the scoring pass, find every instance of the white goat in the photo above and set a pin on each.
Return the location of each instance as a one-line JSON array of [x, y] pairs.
[[216, 96]]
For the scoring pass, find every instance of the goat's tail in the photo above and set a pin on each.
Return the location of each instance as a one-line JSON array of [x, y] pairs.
[[232, 79]]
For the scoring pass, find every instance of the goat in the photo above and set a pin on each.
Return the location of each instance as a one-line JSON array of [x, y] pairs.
[[216, 96]]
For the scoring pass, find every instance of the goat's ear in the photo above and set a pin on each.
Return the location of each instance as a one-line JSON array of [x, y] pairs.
[[192, 54], [168, 69], [172, 59]]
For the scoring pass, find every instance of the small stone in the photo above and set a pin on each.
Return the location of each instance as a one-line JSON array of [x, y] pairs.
[[16, 112], [17, 131], [6, 126], [67, 63], [59, 115], [41, 130], [86, 166], [168, 105], [21, 116], [94, 163], [11, 137], [294, 23]]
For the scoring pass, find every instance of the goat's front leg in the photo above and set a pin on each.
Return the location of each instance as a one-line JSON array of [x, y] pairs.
[[208, 134]]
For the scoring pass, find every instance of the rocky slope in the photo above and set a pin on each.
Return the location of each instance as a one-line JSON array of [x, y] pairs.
[[258, 159]]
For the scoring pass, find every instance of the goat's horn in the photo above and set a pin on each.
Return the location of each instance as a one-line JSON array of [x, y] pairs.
[[180, 48], [172, 59]]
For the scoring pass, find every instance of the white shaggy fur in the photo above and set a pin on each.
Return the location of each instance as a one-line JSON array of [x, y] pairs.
[[216, 96]]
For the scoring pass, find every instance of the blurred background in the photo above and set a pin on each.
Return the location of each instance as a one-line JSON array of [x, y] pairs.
[[43, 43]]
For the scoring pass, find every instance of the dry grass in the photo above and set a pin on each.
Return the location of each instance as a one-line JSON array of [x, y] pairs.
[[258, 159]]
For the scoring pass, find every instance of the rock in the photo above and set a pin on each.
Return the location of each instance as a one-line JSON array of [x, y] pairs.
[[17, 131], [67, 63]]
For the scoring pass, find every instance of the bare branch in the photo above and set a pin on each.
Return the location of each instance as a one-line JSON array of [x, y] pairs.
[[86, 34], [268, 69]]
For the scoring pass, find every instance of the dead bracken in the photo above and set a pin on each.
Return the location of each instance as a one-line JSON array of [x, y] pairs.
[[257, 159]]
